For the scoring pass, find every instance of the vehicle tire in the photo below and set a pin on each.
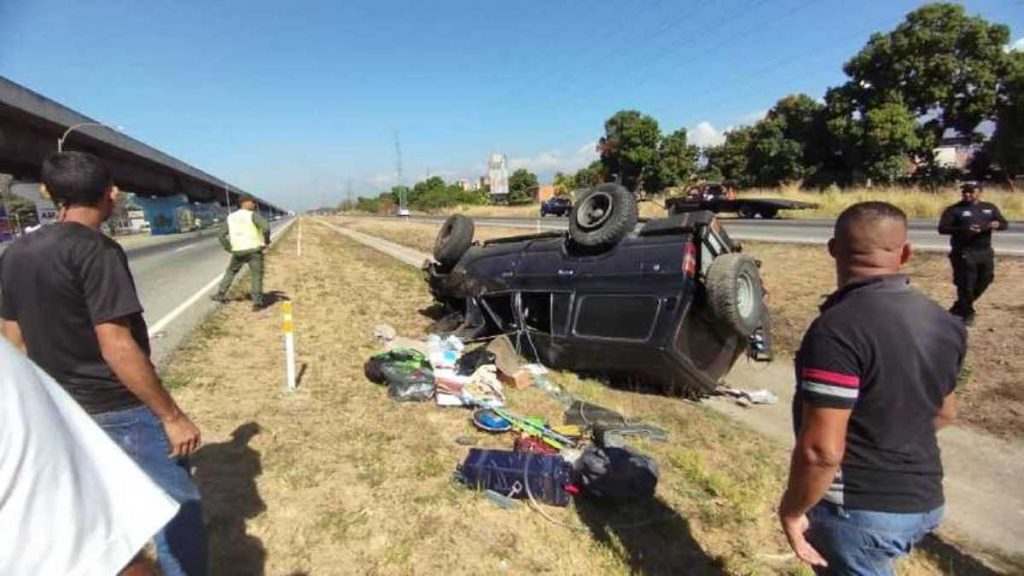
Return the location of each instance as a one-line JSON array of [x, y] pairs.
[[769, 213], [454, 238], [735, 292], [602, 216], [746, 212]]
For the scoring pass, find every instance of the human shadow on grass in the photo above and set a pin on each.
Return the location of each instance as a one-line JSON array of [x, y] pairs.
[[651, 537], [226, 474]]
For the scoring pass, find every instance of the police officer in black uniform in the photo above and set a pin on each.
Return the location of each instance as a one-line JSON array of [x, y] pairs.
[[969, 224]]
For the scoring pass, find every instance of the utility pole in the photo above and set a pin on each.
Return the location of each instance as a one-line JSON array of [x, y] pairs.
[[398, 172]]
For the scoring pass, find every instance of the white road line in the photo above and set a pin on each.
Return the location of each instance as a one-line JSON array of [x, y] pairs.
[[186, 247], [171, 316]]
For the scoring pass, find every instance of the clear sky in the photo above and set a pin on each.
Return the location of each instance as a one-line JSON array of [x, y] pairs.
[[292, 100]]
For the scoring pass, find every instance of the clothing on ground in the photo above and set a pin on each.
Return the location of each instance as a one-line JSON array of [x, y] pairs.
[[72, 501], [181, 544], [891, 355], [58, 284]]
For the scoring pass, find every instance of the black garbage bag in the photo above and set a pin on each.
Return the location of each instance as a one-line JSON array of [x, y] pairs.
[[405, 371], [386, 367], [616, 474]]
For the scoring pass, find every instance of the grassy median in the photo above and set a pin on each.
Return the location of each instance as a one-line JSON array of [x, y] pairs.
[[337, 479]]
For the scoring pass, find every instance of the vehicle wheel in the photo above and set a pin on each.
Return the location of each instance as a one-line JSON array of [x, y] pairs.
[[603, 216], [735, 292], [542, 214], [746, 212], [454, 238], [769, 213]]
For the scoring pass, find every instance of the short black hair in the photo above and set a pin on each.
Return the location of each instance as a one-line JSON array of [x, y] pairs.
[[865, 212], [970, 187], [76, 178]]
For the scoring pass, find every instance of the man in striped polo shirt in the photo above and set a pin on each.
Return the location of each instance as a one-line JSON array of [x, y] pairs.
[[875, 378]]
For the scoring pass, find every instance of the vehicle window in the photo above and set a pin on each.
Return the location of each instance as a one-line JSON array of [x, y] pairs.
[[537, 310], [618, 317]]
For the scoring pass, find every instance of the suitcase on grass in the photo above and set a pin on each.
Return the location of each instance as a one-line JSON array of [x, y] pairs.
[[508, 472]]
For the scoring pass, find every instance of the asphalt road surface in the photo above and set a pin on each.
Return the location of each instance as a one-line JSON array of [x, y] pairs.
[[923, 233], [174, 279]]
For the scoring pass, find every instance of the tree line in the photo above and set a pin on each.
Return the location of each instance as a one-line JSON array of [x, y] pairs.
[[940, 73]]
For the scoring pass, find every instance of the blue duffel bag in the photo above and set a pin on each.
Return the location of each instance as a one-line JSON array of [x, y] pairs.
[[508, 473]]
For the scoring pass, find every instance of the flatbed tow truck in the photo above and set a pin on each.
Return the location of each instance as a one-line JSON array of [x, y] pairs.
[[719, 198]]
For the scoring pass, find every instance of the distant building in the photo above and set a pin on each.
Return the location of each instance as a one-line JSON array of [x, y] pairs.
[[469, 185], [955, 152], [497, 174]]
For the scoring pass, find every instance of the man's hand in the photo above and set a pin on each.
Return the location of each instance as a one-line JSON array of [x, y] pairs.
[[183, 435], [794, 527], [974, 229], [994, 225]]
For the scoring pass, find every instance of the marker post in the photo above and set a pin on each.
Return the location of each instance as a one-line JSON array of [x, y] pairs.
[[289, 345]]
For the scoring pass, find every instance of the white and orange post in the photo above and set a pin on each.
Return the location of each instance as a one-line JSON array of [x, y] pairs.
[[289, 345]]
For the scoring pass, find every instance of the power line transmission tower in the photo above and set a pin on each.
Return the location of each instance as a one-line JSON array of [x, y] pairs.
[[398, 172]]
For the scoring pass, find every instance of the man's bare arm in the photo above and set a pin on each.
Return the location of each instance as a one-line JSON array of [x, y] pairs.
[[818, 453], [816, 457], [131, 365], [12, 333], [947, 414]]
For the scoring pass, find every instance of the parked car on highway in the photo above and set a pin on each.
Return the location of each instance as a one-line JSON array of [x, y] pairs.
[[672, 303], [556, 205], [720, 198], [402, 212]]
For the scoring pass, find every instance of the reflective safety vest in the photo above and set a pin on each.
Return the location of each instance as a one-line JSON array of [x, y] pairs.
[[243, 232]]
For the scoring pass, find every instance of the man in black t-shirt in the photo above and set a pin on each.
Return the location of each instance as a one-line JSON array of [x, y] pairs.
[[969, 224], [69, 302], [875, 377]]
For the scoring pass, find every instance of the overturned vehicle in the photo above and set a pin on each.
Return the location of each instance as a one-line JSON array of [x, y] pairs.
[[669, 303]]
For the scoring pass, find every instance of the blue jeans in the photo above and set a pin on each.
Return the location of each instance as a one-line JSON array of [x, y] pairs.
[[862, 542], [181, 544]]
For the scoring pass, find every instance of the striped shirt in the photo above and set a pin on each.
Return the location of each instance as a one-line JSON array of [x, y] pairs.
[[890, 355]]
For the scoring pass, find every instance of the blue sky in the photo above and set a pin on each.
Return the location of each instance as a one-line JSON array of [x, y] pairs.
[[293, 100]]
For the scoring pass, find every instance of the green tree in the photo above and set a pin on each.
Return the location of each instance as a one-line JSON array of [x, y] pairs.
[[889, 130], [1007, 144], [677, 162], [940, 63], [629, 147], [729, 159], [519, 184], [590, 175], [564, 183]]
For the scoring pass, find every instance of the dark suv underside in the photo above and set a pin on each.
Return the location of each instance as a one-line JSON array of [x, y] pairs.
[[672, 303]]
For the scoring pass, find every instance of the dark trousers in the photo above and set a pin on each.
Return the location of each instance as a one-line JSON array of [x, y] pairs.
[[254, 258], [973, 271]]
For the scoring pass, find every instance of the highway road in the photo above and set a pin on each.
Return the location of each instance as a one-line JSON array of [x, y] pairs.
[[174, 279], [923, 234]]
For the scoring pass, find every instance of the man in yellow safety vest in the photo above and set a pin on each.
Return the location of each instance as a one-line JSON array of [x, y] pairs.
[[246, 235]]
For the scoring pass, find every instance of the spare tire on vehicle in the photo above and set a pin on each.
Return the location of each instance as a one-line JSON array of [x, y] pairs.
[[453, 240], [602, 216], [735, 292]]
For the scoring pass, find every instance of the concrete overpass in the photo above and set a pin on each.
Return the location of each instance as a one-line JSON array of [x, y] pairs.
[[30, 125]]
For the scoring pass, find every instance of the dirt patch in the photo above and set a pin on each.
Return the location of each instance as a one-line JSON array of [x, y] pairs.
[[799, 277]]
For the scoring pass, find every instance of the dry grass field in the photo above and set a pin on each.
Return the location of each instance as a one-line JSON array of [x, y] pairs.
[[335, 478], [799, 277]]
